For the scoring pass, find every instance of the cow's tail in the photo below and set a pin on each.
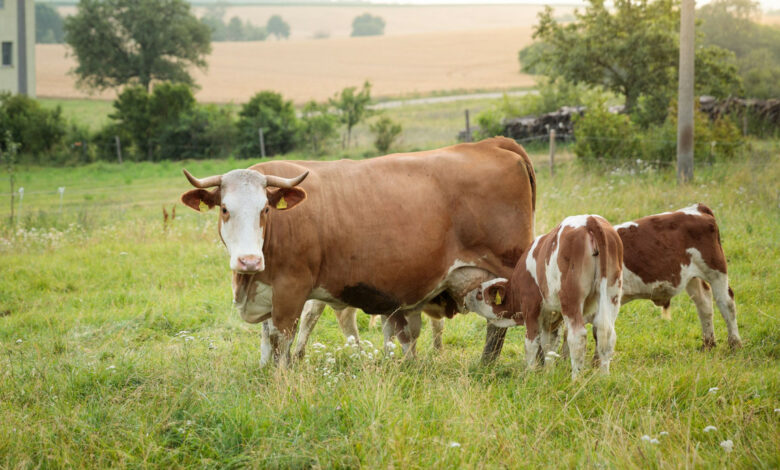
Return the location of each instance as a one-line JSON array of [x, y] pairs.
[[598, 244], [513, 146]]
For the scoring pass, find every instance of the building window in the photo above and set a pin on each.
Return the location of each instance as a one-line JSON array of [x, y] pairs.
[[8, 53], [2, 3]]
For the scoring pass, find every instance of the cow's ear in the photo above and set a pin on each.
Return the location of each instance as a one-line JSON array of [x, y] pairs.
[[283, 199], [201, 200], [495, 294]]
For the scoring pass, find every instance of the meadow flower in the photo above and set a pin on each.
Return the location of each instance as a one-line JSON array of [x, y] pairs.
[[111, 367], [189, 338], [654, 441], [663, 433], [646, 438], [212, 346], [318, 346], [390, 345], [710, 429], [350, 339], [727, 445], [331, 360], [19, 341], [453, 444], [713, 390]]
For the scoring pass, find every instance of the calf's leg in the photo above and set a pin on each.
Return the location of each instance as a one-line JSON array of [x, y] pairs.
[[700, 294], [437, 330], [724, 297]]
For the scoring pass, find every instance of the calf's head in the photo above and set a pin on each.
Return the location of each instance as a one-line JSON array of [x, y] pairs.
[[490, 301], [244, 199]]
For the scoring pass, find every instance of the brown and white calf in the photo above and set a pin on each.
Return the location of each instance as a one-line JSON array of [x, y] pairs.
[[675, 251], [576, 270]]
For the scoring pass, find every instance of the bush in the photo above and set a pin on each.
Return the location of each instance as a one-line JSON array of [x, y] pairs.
[[200, 132], [276, 116], [37, 130], [601, 136], [318, 127], [718, 139], [368, 25], [385, 132]]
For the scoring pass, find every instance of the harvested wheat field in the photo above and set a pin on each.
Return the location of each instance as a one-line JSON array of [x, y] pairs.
[[316, 69]]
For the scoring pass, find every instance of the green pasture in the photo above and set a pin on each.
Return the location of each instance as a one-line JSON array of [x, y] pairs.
[[119, 346]]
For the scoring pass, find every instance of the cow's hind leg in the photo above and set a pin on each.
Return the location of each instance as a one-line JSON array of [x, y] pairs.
[[700, 294], [724, 297], [312, 311], [604, 323], [437, 330], [348, 323]]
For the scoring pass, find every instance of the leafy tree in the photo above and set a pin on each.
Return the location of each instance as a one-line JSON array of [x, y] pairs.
[[120, 42], [269, 111], [385, 131], [278, 27], [731, 24], [368, 25], [48, 24], [631, 49], [352, 107], [318, 126]]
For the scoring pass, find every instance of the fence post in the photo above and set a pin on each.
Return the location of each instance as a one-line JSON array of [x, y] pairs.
[[468, 127], [262, 141], [61, 190], [118, 149], [552, 152], [21, 196]]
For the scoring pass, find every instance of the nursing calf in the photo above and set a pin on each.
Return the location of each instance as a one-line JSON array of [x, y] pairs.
[[575, 270]]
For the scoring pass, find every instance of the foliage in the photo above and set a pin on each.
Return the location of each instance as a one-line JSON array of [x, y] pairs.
[[120, 42], [385, 131], [352, 107], [234, 29], [719, 139], [603, 137], [278, 27], [37, 130], [732, 25], [318, 126], [630, 49], [368, 25], [267, 110], [48, 24]]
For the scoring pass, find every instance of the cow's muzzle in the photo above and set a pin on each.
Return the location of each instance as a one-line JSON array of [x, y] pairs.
[[250, 264]]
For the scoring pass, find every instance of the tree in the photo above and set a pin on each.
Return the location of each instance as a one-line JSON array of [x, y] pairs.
[[48, 25], [368, 25], [630, 49], [352, 107], [269, 111], [36, 129], [120, 42], [385, 131], [318, 126], [278, 27]]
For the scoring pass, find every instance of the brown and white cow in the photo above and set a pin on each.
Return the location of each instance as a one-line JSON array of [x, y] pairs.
[[667, 253], [388, 235], [574, 270]]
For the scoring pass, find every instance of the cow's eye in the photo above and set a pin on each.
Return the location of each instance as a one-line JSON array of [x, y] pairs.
[[267, 209], [224, 210]]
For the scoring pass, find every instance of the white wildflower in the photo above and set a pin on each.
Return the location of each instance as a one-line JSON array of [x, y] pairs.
[[350, 339], [390, 345], [453, 444], [777, 410], [19, 341], [318, 346], [654, 441], [189, 338], [212, 346], [189, 422], [111, 367], [122, 253], [646, 438], [710, 429], [713, 390], [376, 352], [368, 343], [331, 360], [727, 445], [663, 433]]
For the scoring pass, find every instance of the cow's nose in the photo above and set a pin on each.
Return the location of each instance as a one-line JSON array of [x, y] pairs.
[[250, 263]]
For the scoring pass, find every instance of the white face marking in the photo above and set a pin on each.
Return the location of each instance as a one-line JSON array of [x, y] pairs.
[[243, 195], [625, 225], [483, 309]]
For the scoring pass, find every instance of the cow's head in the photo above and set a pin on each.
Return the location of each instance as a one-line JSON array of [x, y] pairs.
[[244, 199], [490, 301]]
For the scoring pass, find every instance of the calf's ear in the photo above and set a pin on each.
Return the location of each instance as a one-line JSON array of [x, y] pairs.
[[285, 198], [495, 294], [201, 200]]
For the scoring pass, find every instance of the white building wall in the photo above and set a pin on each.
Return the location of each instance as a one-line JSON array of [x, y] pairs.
[[9, 17]]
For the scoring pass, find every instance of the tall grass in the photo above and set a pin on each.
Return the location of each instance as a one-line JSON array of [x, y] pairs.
[[118, 347]]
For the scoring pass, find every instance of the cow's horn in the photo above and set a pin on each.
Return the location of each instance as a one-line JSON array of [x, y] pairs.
[[285, 183], [209, 182]]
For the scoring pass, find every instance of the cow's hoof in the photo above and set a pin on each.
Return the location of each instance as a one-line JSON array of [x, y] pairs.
[[709, 343], [735, 343]]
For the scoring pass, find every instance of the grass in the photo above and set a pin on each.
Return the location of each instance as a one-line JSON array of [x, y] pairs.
[[130, 354]]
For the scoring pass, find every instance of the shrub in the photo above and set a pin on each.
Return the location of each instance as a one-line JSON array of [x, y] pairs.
[[276, 116], [318, 127], [601, 136], [385, 132], [368, 25], [37, 129]]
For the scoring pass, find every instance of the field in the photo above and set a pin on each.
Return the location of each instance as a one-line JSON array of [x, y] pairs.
[[464, 48], [119, 347]]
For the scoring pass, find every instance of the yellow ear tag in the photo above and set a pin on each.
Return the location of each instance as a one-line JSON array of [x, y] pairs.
[[498, 298], [203, 206], [282, 204]]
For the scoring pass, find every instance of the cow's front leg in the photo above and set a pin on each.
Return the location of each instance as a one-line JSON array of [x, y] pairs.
[[273, 343], [312, 311], [288, 300]]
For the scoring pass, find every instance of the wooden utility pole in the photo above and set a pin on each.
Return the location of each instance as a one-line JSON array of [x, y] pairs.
[[468, 128], [262, 141], [685, 94], [118, 149]]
